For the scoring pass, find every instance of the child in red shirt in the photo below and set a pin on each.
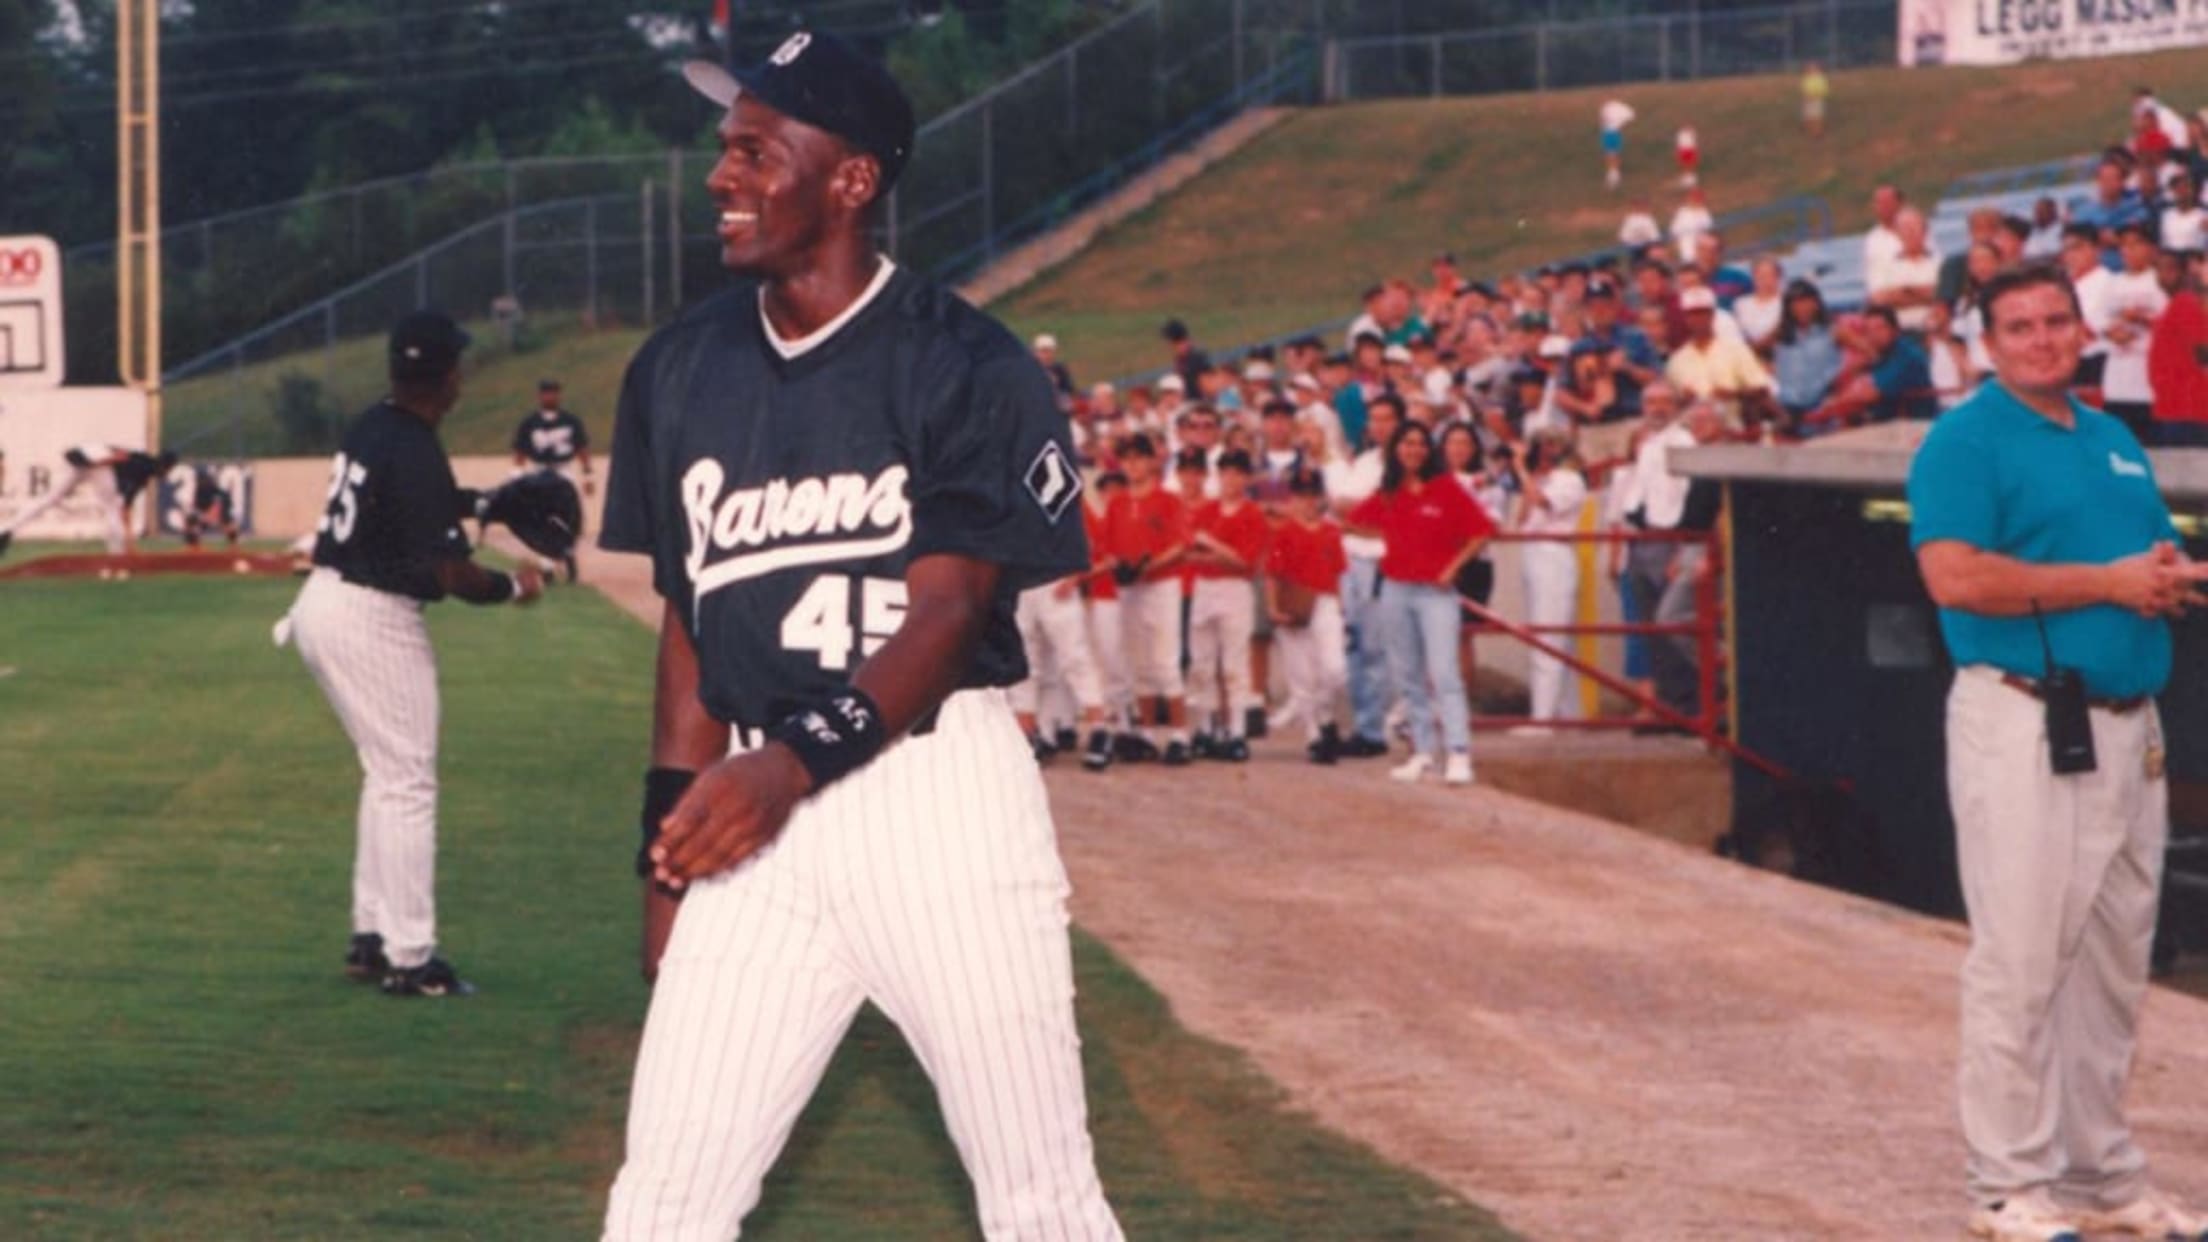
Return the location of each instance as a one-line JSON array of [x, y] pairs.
[[1224, 553], [1306, 551], [1145, 534]]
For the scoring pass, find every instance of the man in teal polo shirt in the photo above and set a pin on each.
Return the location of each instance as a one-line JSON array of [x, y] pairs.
[[2024, 501]]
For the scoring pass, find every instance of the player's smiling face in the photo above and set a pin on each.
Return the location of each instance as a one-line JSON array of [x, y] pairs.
[[782, 187]]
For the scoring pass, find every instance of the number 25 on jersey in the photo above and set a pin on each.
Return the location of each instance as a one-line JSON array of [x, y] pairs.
[[343, 507], [823, 621]]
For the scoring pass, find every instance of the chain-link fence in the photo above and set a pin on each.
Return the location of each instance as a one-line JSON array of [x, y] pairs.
[[1654, 47], [286, 387]]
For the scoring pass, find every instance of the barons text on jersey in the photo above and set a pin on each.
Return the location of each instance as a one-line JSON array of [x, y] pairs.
[[783, 489]]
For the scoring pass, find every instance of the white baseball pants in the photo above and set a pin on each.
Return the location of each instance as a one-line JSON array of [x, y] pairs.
[[1552, 587], [929, 883], [1108, 642], [1316, 663], [1220, 623], [2061, 876], [369, 651], [1055, 630], [1150, 628]]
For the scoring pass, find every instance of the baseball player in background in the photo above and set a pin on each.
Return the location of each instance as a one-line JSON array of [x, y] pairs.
[[1145, 533], [115, 475], [210, 507], [1226, 545], [389, 542], [844, 476], [551, 438]]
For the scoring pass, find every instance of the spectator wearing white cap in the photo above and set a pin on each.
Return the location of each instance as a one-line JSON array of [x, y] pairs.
[[1711, 367], [1315, 408], [1046, 352], [1172, 398]]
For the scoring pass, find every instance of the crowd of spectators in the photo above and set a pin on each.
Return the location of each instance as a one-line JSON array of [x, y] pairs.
[[1337, 499]]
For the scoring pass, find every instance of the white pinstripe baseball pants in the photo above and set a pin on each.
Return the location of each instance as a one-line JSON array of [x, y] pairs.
[[928, 882], [369, 651]]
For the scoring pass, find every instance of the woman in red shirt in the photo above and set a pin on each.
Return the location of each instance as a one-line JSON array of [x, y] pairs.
[[1428, 527]]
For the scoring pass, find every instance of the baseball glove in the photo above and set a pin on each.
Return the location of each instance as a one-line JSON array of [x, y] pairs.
[[542, 509], [1295, 601], [1128, 574]]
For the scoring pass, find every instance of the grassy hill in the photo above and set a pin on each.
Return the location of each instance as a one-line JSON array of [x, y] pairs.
[[1285, 233]]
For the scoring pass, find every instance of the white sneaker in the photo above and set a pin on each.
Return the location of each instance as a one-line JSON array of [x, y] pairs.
[[1411, 769], [1458, 771], [2027, 1217], [2152, 1215]]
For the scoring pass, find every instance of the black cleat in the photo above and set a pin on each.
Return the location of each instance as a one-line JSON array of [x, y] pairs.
[[1233, 750], [1255, 724], [1326, 747], [1203, 747], [1361, 747], [1134, 748], [6, 537], [1043, 750], [1098, 755], [1176, 755], [1066, 738], [434, 977], [364, 959]]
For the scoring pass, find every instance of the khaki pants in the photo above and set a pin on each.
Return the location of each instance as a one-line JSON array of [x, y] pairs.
[[2061, 875]]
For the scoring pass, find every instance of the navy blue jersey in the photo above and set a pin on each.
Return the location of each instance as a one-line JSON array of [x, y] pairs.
[[552, 440], [782, 498], [394, 509]]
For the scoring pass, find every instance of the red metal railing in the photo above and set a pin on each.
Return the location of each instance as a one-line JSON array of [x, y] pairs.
[[1704, 628]]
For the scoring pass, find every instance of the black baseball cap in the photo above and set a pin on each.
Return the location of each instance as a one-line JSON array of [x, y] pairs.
[[818, 78], [426, 345], [1306, 482], [1191, 459], [548, 384], [1235, 459], [1138, 445], [1174, 330]]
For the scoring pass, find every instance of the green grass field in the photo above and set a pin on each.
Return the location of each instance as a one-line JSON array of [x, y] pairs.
[[1284, 233], [180, 1057]]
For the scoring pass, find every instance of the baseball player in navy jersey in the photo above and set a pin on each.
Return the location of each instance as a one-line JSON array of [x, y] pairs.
[[844, 477], [389, 542], [551, 438]]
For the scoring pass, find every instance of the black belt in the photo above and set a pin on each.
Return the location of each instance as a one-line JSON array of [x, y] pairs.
[[2122, 707]]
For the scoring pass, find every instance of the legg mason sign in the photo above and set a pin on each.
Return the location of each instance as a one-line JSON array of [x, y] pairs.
[[2001, 32]]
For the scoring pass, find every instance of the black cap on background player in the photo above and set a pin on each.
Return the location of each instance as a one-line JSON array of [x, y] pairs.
[[425, 346], [818, 78]]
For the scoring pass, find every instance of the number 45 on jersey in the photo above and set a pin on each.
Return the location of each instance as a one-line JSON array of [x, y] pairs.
[[825, 622]]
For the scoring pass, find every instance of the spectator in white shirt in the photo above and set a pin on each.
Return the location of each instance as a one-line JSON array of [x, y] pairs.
[[1654, 499], [1881, 241], [1948, 356], [2184, 221], [2131, 300], [1908, 280], [1690, 222], [1759, 311], [2081, 261], [1551, 494], [1616, 115], [1640, 227], [2045, 241]]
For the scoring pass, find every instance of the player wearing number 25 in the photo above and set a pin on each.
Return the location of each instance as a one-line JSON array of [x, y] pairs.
[[844, 477], [389, 542]]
